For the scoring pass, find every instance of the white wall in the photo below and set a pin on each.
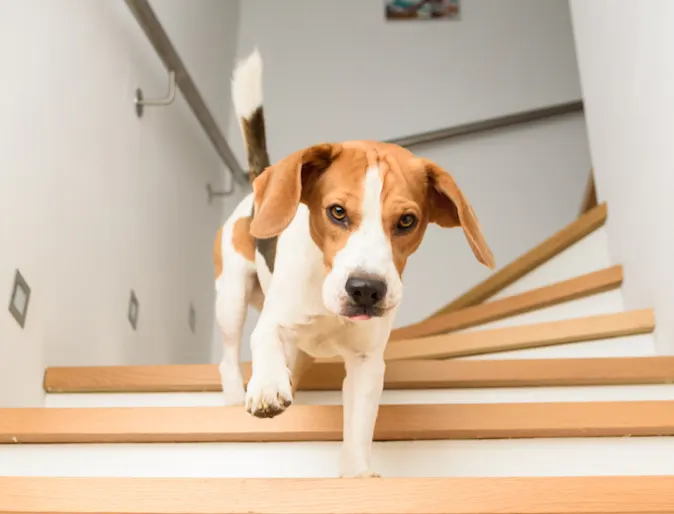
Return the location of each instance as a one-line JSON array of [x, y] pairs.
[[626, 61], [338, 70], [95, 202]]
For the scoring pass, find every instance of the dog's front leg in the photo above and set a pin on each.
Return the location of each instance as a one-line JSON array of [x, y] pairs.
[[361, 394], [269, 392]]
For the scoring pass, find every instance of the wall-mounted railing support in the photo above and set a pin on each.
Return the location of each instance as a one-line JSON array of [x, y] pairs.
[[213, 194], [141, 102]]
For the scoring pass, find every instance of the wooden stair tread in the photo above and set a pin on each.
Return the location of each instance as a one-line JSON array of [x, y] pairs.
[[524, 336], [409, 374], [554, 245], [547, 296], [530, 495], [324, 423]]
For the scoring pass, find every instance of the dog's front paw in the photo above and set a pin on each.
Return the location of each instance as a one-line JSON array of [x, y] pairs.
[[269, 393], [368, 474]]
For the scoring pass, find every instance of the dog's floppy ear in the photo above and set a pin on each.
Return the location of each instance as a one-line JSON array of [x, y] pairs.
[[450, 208], [279, 189]]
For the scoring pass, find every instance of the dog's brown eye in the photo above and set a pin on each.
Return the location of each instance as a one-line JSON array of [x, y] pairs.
[[406, 222], [337, 213]]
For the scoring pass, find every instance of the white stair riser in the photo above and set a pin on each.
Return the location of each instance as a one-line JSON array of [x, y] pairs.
[[609, 302], [587, 255], [429, 396], [641, 345], [512, 457]]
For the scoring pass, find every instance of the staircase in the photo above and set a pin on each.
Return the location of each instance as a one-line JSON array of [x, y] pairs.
[[535, 392]]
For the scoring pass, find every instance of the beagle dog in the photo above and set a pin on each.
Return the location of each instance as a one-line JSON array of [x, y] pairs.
[[319, 247]]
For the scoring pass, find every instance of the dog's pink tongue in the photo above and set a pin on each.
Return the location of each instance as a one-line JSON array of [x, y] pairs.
[[360, 317]]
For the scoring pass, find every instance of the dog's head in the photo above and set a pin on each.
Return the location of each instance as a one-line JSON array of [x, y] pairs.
[[369, 204]]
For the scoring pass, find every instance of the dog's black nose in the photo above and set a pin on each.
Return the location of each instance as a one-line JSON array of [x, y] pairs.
[[365, 292]]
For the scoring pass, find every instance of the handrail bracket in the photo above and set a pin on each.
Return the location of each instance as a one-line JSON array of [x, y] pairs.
[[140, 101], [212, 193]]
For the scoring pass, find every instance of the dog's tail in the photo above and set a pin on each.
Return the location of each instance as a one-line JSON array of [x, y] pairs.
[[247, 98]]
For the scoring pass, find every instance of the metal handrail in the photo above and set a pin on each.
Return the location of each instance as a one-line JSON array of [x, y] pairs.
[[148, 21], [490, 124], [157, 36]]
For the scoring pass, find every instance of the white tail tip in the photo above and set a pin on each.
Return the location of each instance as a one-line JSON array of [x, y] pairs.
[[247, 85]]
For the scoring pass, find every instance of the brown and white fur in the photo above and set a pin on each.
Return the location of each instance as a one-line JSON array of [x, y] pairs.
[[320, 247]]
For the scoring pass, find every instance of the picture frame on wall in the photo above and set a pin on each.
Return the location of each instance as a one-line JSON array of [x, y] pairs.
[[422, 9]]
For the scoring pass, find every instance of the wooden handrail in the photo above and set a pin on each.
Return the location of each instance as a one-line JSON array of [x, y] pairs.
[[148, 21], [408, 374], [492, 495]]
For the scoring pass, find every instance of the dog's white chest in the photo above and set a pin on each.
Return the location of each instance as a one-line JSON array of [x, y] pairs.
[[327, 335]]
